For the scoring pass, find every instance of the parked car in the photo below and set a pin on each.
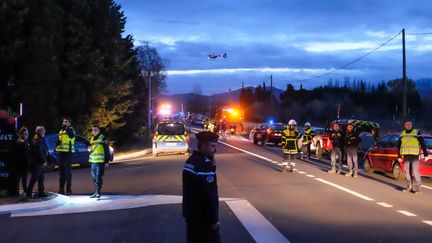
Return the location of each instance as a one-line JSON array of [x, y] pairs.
[[268, 133], [171, 137], [81, 155], [383, 156]]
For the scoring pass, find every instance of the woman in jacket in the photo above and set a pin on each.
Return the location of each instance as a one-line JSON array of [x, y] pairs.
[[22, 157], [38, 161]]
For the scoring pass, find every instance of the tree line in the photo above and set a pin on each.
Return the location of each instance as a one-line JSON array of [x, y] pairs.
[[381, 102], [71, 58]]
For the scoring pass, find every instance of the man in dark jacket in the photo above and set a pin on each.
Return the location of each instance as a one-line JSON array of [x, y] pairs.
[[336, 153], [38, 161], [352, 142], [200, 192]]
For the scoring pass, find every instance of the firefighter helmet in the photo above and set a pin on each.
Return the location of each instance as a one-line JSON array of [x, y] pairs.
[[292, 122]]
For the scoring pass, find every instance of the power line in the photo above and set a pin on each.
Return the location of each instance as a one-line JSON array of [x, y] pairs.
[[352, 62], [425, 33]]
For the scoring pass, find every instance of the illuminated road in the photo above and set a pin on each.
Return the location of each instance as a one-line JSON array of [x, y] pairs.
[[309, 205]]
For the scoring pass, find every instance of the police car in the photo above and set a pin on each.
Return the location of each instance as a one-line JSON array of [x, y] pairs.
[[171, 137]]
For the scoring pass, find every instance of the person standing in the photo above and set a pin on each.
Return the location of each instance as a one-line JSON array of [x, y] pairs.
[[66, 149], [409, 144], [307, 140], [98, 158], [352, 142], [200, 192], [290, 137], [336, 152], [22, 157], [38, 161]]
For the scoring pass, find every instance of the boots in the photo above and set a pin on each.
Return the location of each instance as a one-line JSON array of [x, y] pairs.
[[350, 173], [332, 171], [408, 188], [97, 194]]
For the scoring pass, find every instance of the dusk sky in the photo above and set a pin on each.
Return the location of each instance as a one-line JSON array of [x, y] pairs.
[[293, 40]]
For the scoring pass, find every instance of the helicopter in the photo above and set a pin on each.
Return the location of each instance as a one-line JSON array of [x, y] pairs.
[[214, 56]]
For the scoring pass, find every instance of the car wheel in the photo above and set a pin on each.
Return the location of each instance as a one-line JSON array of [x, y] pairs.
[[319, 151], [397, 171], [367, 166]]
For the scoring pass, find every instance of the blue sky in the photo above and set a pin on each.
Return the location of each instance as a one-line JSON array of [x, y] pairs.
[[291, 39]]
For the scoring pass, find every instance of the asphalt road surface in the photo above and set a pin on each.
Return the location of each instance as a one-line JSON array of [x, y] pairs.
[[260, 203]]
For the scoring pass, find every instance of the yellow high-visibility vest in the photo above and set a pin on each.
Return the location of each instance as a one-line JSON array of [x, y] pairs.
[[290, 143], [67, 144], [97, 154], [410, 144]]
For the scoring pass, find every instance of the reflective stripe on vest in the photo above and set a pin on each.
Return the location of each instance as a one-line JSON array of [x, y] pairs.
[[290, 140], [307, 136], [410, 144], [97, 154], [67, 144]]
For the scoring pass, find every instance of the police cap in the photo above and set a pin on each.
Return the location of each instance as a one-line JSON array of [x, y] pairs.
[[206, 136]]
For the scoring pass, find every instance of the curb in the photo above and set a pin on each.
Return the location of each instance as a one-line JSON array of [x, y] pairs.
[[133, 155], [57, 201]]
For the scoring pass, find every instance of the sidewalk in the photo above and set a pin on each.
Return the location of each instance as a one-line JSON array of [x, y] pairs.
[[56, 201]]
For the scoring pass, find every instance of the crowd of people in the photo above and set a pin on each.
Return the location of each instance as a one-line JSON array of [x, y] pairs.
[[32, 155]]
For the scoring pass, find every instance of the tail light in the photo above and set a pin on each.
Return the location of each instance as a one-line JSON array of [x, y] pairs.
[[187, 139], [268, 130]]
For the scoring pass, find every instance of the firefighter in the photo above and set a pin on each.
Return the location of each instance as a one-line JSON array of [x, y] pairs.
[[98, 158], [290, 138], [66, 149], [409, 144], [336, 153], [200, 192], [307, 140]]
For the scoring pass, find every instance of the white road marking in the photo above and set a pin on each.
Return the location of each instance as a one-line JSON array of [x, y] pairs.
[[311, 176], [406, 213], [385, 205], [427, 222], [253, 154], [345, 189], [427, 187], [301, 172], [255, 223]]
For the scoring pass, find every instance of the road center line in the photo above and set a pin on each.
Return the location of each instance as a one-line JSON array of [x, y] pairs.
[[345, 189], [385, 205], [427, 187], [255, 223], [427, 222], [406, 213]]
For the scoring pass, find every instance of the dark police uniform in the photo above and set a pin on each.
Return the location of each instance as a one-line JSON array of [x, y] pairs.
[[200, 196]]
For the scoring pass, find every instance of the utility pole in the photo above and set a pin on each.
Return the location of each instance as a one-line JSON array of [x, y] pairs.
[[149, 108], [271, 96], [404, 78]]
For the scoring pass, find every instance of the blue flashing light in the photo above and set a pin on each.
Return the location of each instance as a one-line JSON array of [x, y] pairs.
[[271, 122]]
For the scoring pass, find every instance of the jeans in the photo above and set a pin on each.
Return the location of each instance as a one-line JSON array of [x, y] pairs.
[[37, 174], [97, 171], [352, 158], [412, 165], [197, 232], [65, 171], [336, 152]]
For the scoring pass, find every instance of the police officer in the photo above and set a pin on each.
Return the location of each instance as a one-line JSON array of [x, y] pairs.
[[98, 158], [336, 153], [66, 149], [290, 149], [352, 142], [307, 139], [200, 192], [409, 144]]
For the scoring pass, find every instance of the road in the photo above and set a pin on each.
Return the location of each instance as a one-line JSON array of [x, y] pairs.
[[259, 203]]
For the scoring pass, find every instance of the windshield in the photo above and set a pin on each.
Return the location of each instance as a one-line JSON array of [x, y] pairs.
[[428, 142], [171, 129], [278, 127]]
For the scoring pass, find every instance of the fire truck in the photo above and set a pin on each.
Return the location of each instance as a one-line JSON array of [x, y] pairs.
[[233, 117]]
